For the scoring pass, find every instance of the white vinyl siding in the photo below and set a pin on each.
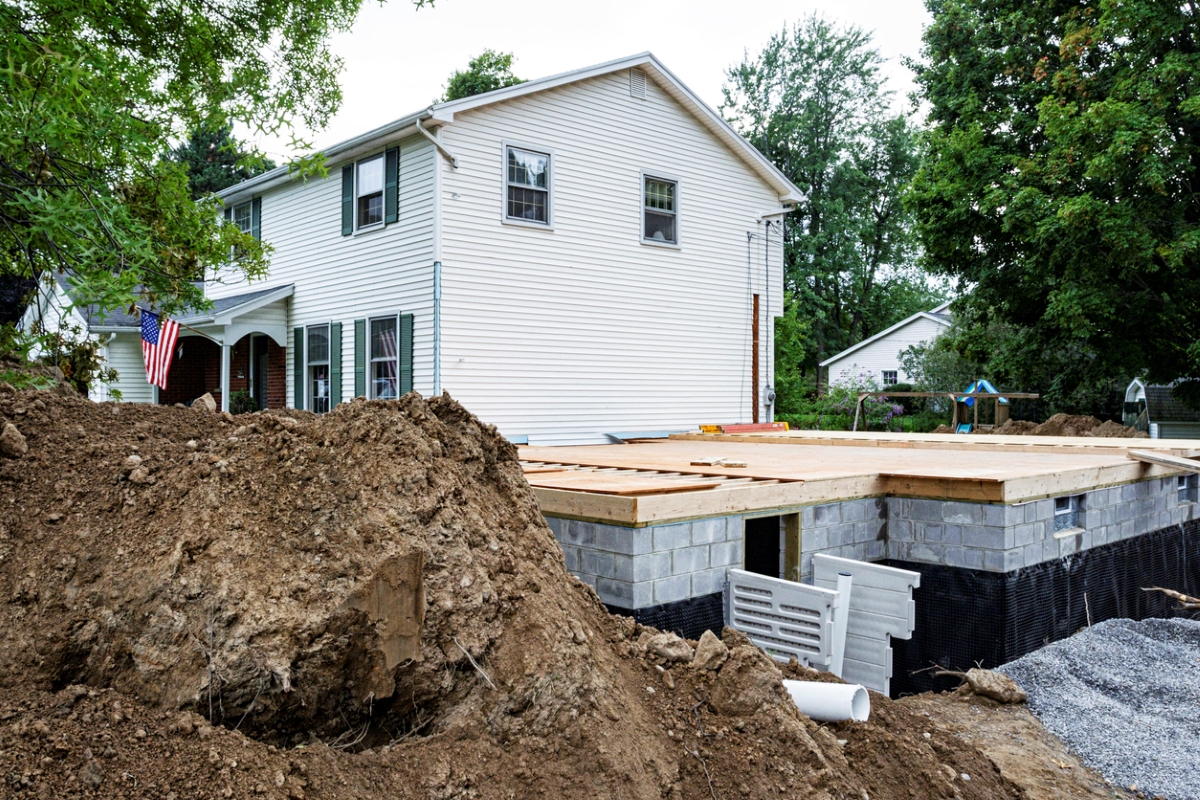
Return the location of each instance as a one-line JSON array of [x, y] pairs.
[[342, 279], [883, 354], [567, 334]]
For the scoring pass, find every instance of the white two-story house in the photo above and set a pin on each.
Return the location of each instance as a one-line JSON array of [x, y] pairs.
[[592, 254]]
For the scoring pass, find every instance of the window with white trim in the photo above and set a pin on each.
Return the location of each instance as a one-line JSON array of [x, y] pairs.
[[243, 217], [1066, 512], [317, 372], [527, 186], [384, 358], [890, 377], [368, 191], [660, 210]]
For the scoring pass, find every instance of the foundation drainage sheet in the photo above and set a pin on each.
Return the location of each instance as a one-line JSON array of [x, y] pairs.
[[1125, 696]]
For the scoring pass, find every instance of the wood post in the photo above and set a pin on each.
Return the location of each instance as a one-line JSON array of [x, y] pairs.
[[754, 371]]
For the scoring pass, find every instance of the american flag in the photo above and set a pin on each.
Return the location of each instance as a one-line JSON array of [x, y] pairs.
[[158, 344]]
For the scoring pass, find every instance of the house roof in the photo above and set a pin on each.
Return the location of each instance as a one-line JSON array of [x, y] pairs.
[[443, 114], [938, 315], [1161, 406]]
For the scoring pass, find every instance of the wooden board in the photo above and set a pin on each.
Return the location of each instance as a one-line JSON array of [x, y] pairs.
[[618, 484], [1165, 460]]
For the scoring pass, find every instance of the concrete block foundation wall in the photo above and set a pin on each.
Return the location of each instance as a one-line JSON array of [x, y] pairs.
[[657, 565]]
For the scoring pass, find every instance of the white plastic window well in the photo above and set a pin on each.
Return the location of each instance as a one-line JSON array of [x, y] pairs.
[[369, 190]]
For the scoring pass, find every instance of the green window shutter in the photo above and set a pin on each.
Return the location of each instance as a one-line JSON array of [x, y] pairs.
[[256, 218], [406, 353], [347, 200], [298, 366], [360, 358], [335, 364], [391, 186]]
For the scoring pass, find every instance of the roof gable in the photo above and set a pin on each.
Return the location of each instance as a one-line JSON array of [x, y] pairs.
[[443, 113]]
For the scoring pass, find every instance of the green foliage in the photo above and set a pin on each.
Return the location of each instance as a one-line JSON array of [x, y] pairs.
[[1059, 184], [814, 102], [215, 159], [485, 72], [242, 402], [68, 350], [91, 94]]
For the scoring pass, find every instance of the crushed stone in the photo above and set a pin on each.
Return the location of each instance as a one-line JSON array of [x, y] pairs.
[[1125, 696]]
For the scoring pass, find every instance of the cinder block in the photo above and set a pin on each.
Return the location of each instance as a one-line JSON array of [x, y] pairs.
[[708, 582], [830, 514], [571, 557], [651, 567], [707, 531], [814, 540], [1014, 560], [615, 593], [995, 516], [961, 513], [673, 589], [672, 537], [984, 538], [689, 559], [927, 552], [726, 554], [579, 533]]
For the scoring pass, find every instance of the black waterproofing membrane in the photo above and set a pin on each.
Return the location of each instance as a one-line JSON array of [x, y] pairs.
[[970, 619]]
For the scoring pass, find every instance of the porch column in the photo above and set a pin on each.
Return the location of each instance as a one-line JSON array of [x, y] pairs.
[[225, 348]]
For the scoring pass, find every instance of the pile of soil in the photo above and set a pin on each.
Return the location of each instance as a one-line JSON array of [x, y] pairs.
[[364, 604], [1060, 425]]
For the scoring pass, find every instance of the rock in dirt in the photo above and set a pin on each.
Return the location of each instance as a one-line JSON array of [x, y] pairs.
[[711, 652], [995, 685], [12, 442], [669, 647]]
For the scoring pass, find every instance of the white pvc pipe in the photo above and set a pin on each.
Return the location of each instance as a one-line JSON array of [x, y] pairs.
[[830, 702], [838, 649]]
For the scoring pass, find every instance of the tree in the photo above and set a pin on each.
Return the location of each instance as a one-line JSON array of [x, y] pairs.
[[485, 72], [1061, 183], [814, 103], [216, 160], [91, 94]]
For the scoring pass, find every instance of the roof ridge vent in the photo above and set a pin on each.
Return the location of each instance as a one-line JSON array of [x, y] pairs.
[[637, 84]]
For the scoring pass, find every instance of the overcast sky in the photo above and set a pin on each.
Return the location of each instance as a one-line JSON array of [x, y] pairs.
[[398, 58]]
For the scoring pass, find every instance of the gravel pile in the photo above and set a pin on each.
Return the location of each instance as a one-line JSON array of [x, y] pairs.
[[1125, 696]]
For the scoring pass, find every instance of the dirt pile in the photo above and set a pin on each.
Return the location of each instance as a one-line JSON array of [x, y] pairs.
[[1059, 425], [363, 604]]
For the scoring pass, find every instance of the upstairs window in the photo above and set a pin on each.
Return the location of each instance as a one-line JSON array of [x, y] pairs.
[[317, 349], [890, 377], [527, 186], [660, 211], [369, 192], [385, 359]]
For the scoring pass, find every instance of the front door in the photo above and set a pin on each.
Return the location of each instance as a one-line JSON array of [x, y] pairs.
[[258, 370]]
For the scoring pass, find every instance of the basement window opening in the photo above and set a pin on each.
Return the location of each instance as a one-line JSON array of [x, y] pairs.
[[762, 546], [1186, 486], [1066, 512]]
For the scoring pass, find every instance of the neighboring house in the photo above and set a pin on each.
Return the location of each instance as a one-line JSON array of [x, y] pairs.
[[572, 257], [1152, 408], [879, 356]]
